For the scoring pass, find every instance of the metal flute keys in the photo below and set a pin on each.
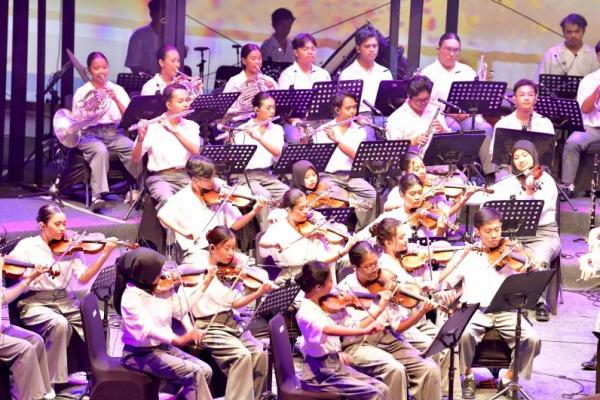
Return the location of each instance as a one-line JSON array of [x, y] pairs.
[[161, 118]]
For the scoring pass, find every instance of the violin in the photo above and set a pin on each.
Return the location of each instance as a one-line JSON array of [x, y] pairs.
[[229, 273], [333, 303], [87, 246], [320, 197], [506, 254], [536, 171], [213, 197], [441, 255], [15, 269], [170, 279], [406, 294], [451, 190], [331, 233], [426, 215]]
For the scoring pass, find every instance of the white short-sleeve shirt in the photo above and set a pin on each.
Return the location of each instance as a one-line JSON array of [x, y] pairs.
[[262, 158], [353, 136], [371, 79], [442, 78], [588, 84], [295, 76], [113, 115], [558, 60]]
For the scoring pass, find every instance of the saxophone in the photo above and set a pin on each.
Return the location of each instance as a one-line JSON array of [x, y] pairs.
[[429, 133]]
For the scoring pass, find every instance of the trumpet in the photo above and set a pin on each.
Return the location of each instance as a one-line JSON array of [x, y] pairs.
[[193, 85], [161, 118]]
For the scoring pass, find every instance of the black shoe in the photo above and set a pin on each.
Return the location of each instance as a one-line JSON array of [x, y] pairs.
[[541, 313], [468, 388], [568, 192], [509, 394], [590, 364], [97, 204]]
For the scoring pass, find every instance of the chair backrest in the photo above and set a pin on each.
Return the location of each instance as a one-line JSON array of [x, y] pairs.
[[282, 351], [93, 329]]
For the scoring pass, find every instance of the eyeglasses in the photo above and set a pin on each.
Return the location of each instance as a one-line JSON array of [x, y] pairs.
[[369, 267], [451, 50], [421, 101]]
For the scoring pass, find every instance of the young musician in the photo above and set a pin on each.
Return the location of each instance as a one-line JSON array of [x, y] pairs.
[[190, 216], [301, 75], [445, 70], [589, 265], [530, 181], [169, 63], [248, 82], [278, 48], [268, 139], [103, 137], [417, 119], [50, 307], [347, 135], [326, 368], [290, 247], [169, 144], [147, 309], [236, 351], [480, 282], [306, 178], [572, 56], [388, 346], [22, 350], [588, 96]]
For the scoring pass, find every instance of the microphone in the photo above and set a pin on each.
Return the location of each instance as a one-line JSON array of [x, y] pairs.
[[447, 103], [222, 127], [374, 109], [366, 123], [142, 73], [201, 48]]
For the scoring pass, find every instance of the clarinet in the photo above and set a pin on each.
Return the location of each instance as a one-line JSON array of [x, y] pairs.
[[593, 192]]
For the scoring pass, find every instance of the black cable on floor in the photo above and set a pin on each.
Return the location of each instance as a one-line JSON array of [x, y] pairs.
[[576, 381]]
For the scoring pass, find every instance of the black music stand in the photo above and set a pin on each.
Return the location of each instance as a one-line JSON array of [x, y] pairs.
[[476, 97], [391, 95], [342, 215], [456, 149], [209, 107], [293, 103], [320, 107], [231, 158], [132, 83], [520, 218], [275, 302], [380, 159], [518, 291], [142, 107], [448, 337], [317, 153], [563, 86], [274, 68], [504, 139], [565, 114], [103, 288]]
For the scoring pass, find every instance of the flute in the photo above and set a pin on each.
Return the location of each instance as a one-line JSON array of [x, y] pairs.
[[161, 118], [312, 132]]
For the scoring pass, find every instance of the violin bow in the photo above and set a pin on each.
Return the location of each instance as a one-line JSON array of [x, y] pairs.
[[221, 206]]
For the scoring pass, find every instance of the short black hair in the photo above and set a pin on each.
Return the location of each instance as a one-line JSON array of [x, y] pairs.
[[418, 84], [259, 97], [338, 99], [291, 197], [448, 36], [93, 55], [365, 33], [162, 52], [407, 181], [574, 19], [598, 47], [247, 49], [313, 273], [524, 82], [281, 14], [170, 89], [301, 39], [485, 215], [200, 167]]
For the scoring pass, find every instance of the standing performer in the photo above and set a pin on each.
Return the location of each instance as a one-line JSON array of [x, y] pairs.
[[445, 70], [347, 135], [21, 350], [278, 48], [50, 307], [248, 82], [268, 139], [238, 353], [572, 56], [169, 144], [103, 137], [147, 308], [480, 281], [326, 368]]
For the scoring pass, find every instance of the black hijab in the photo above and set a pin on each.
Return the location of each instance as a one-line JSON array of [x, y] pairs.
[[139, 267], [528, 147], [299, 171]]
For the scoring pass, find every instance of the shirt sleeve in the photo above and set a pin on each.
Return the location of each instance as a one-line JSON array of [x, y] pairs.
[[121, 95], [134, 51], [139, 323]]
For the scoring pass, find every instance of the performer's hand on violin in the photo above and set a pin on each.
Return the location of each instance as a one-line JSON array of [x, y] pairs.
[[442, 222], [111, 244], [384, 298], [260, 204], [345, 358], [530, 184], [37, 271], [470, 189], [266, 287], [373, 327], [446, 296], [427, 306]]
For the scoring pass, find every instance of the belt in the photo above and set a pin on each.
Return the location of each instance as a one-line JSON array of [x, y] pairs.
[[172, 170], [45, 294], [102, 126], [223, 315]]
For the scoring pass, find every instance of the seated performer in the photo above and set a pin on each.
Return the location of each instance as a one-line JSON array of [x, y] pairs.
[[445, 70], [589, 265], [347, 135], [480, 282], [301, 75], [21, 350], [103, 137], [326, 368], [588, 96], [530, 181], [291, 246], [236, 351], [524, 117], [190, 215], [248, 82], [417, 119], [268, 139], [169, 144], [399, 357], [278, 48], [50, 308], [169, 62], [572, 56], [147, 309]]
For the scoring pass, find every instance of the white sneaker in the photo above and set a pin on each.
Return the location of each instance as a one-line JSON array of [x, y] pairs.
[[51, 395], [77, 378]]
